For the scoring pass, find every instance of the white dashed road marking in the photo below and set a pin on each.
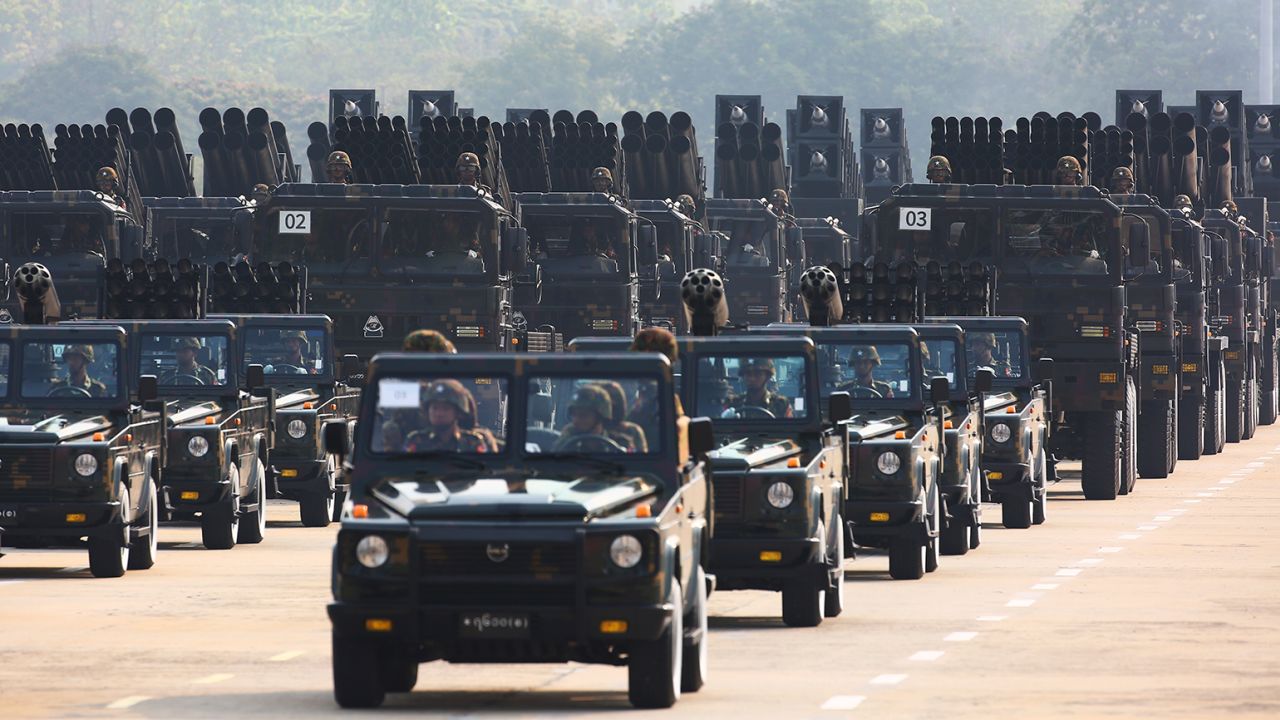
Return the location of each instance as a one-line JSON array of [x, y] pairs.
[[1045, 586], [843, 702], [1110, 549], [991, 618], [887, 679], [1021, 602], [286, 656], [1069, 572], [960, 637], [128, 702], [926, 656], [214, 678]]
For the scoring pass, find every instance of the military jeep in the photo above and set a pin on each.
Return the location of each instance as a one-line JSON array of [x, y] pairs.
[[534, 536]]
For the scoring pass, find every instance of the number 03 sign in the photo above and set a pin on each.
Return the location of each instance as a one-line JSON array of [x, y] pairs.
[[295, 221], [915, 219]]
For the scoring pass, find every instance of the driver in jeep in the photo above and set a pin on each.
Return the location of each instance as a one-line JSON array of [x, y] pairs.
[[78, 358], [187, 371], [451, 412], [756, 374], [586, 430], [865, 359], [295, 351]]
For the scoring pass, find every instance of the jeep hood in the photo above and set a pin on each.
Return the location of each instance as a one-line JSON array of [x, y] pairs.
[[582, 498]]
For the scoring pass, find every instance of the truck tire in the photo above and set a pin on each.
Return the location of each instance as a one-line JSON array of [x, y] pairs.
[[1155, 427], [1172, 438], [398, 669], [834, 604], [1016, 513], [316, 510], [253, 525], [955, 537], [142, 550], [1101, 470], [357, 680], [220, 525], [1270, 405], [655, 668], [109, 554], [803, 600], [693, 670], [1251, 395], [1191, 429], [1039, 506], [1215, 413], [906, 558], [1129, 445], [1235, 409]]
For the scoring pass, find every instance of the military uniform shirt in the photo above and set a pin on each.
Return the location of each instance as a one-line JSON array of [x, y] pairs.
[[456, 440], [776, 404], [570, 431], [95, 388], [880, 386], [199, 371]]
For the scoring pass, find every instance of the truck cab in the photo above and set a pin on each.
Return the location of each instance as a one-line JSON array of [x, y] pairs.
[[759, 252]]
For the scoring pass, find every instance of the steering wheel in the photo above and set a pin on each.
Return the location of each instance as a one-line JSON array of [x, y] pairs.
[[182, 379], [286, 369], [589, 443], [69, 391], [864, 391], [749, 412]]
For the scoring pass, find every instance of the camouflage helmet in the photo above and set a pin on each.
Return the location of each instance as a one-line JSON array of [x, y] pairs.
[[1121, 173], [430, 341], [338, 157], [757, 363], [468, 159], [189, 343], [1230, 207], [779, 196], [1068, 164], [452, 392], [984, 338], [686, 204], [618, 398], [84, 351], [595, 398], [656, 340], [108, 173], [260, 189], [938, 166], [602, 173], [295, 335], [1182, 202], [864, 352], [924, 350]]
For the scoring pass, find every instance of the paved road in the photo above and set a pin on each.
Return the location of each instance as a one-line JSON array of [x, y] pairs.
[[1163, 604]]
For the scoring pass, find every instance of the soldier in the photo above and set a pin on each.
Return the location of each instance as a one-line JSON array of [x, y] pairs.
[[468, 169], [109, 184], [938, 170], [686, 205], [756, 375], [1229, 207], [602, 180], [78, 359], [588, 412], [261, 194], [296, 348], [983, 346], [1068, 171], [645, 412], [338, 168], [621, 429], [1122, 180], [1183, 204], [430, 341], [780, 203], [450, 411], [187, 368], [865, 359]]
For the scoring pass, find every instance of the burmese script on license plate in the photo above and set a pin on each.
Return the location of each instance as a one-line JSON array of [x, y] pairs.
[[494, 625]]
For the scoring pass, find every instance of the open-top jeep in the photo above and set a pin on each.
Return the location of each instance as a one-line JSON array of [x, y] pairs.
[[777, 471], [538, 535], [308, 394], [79, 461]]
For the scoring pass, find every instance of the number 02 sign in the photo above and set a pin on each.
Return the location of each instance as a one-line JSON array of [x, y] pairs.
[[915, 219], [297, 222]]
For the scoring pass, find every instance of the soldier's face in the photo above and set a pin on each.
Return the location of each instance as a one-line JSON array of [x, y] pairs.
[[293, 346], [984, 352], [186, 357], [442, 414], [105, 185], [754, 379], [864, 367], [584, 419], [601, 185], [75, 363], [467, 174], [337, 173]]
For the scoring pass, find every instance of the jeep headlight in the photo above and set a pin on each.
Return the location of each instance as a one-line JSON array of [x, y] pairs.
[[626, 551], [198, 446], [86, 464], [1001, 433], [780, 495], [297, 429], [372, 551], [889, 462]]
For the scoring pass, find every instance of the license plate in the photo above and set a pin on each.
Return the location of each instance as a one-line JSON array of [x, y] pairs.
[[493, 625]]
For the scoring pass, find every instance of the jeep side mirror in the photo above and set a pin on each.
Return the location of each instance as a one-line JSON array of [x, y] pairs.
[[352, 370], [983, 380], [515, 248], [336, 437], [839, 407], [939, 390], [702, 439], [256, 377], [148, 389], [1044, 370]]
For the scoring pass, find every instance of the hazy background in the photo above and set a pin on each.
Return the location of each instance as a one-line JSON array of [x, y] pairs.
[[72, 60]]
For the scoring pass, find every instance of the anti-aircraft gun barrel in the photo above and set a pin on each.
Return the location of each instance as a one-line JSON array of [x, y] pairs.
[[820, 293], [705, 307], [37, 295]]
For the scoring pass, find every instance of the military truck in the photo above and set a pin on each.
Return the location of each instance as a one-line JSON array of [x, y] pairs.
[[1060, 254], [205, 230], [80, 460], [307, 395], [533, 538], [592, 251], [384, 260], [759, 254], [682, 246]]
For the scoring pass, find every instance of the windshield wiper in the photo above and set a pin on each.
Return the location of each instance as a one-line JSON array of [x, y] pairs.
[[604, 464]]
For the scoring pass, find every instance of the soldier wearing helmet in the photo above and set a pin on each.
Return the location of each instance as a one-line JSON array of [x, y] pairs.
[[78, 358], [1230, 208], [451, 412], [590, 410], [938, 170], [1122, 182], [780, 203], [1068, 171], [296, 351], [1183, 203], [757, 376], [602, 180], [645, 412], [261, 194], [865, 359], [468, 169], [187, 371], [623, 431], [108, 181], [982, 347], [430, 341], [686, 205], [338, 168]]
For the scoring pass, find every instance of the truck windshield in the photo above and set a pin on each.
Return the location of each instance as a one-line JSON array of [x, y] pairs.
[[752, 387], [595, 415], [1056, 242], [579, 245], [436, 242], [207, 239], [1000, 350], [185, 360], [287, 351], [950, 234], [460, 415], [749, 240], [872, 371], [52, 234], [316, 236], [70, 370]]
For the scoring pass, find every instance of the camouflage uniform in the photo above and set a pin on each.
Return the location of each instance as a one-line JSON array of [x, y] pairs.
[[449, 438], [620, 429], [109, 184], [686, 205], [468, 169], [777, 405], [304, 362], [261, 194], [1068, 171], [596, 399], [863, 353], [938, 170], [998, 366], [1122, 180], [94, 387], [338, 168], [430, 341], [780, 203], [602, 180], [204, 374]]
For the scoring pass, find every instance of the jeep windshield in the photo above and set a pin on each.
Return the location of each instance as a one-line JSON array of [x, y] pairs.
[[594, 416], [867, 370], [763, 388], [460, 418], [1000, 350], [285, 353], [185, 360], [81, 372], [939, 356], [952, 235]]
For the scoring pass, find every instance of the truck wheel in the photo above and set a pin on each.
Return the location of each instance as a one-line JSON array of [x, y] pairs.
[[357, 682], [935, 525], [1155, 425], [654, 670], [220, 525], [398, 669], [316, 511], [803, 600], [109, 555], [1129, 446], [1016, 513], [975, 532], [1101, 467], [1173, 436], [1215, 416], [834, 604], [1040, 504], [693, 671], [1250, 405], [1191, 430], [955, 537], [1269, 407], [254, 523], [142, 551], [1235, 410], [906, 559]]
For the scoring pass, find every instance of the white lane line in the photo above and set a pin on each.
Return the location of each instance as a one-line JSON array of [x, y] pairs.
[[214, 678], [1089, 561], [1256, 464], [843, 702], [964, 636], [926, 656], [1021, 602], [1162, 518], [991, 618], [1045, 586], [1110, 549], [282, 657], [127, 702], [73, 569], [887, 679], [1214, 488], [1069, 572], [1130, 536], [1146, 528], [1191, 502]]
